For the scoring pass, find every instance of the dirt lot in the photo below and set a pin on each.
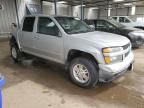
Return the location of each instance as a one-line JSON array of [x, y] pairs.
[[41, 85]]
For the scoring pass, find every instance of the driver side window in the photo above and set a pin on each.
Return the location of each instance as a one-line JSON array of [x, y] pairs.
[[100, 25], [127, 21], [109, 26], [47, 26], [104, 26], [123, 20]]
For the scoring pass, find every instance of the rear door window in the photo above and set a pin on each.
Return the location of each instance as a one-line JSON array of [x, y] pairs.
[[28, 24]]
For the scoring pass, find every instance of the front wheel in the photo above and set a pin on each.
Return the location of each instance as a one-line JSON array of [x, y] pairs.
[[84, 72]]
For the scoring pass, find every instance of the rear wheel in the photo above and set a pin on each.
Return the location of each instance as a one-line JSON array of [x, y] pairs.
[[84, 72], [16, 55]]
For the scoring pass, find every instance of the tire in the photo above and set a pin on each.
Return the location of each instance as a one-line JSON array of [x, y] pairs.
[[16, 55], [91, 72]]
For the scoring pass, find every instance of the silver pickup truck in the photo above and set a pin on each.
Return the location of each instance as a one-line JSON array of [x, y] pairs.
[[90, 56]]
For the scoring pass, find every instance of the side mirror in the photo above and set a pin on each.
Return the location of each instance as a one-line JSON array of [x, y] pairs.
[[92, 26], [14, 25], [59, 33]]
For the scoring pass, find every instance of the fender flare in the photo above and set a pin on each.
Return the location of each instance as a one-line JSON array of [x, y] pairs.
[[13, 41]]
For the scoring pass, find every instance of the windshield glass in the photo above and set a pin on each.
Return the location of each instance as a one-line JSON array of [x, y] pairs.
[[73, 25], [130, 20], [119, 25]]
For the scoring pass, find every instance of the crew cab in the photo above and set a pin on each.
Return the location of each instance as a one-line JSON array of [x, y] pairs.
[[125, 20], [135, 35], [89, 56]]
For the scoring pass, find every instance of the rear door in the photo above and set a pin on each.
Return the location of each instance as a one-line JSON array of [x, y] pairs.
[[28, 37]]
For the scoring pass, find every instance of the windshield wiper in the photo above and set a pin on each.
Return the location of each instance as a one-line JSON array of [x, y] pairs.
[[76, 32]]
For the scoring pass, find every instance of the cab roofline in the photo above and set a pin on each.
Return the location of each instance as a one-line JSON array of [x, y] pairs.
[[43, 15]]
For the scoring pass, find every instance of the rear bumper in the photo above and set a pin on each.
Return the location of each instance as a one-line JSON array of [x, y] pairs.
[[111, 72]]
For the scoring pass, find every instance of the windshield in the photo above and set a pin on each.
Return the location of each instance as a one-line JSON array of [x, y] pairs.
[[130, 20], [116, 23], [73, 25]]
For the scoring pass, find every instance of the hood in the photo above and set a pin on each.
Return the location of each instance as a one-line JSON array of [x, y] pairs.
[[137, 34], [133, 32], [126, 30], [103, 39], [134, 24], [130, 29]]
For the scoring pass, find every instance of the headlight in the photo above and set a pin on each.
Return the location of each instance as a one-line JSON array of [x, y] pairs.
[[115, 59], [111, 50], [112, 59]]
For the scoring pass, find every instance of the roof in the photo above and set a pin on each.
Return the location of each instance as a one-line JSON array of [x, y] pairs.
[[95, 19], [102, 4], [43, 15], [119, 16]]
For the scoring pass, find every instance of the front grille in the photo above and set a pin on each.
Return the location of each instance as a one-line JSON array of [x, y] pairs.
[[125, 47], [126, 54]]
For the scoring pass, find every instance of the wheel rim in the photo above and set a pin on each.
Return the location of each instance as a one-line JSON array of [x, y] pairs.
[[81, 73], [14, 53]]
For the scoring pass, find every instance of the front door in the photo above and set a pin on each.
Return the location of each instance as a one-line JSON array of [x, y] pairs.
[[49, 40]]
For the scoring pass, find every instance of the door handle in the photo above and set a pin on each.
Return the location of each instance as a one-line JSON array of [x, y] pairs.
[[36, 37]]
